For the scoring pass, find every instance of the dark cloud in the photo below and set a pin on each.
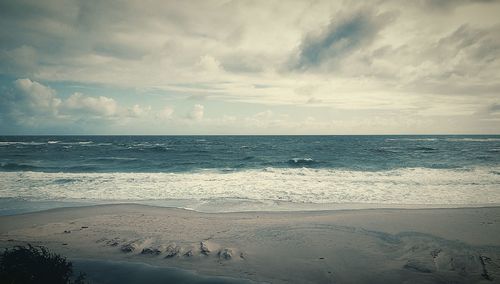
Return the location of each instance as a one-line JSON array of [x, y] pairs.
[[236, 63], [120, 51], [494, 108], [490, 111], [340, 38], [464, 62], [481, 44], [74, 34], [448, 5]]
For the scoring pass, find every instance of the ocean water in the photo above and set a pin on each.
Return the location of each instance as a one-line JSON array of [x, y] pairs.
[[125, 272], [237, 173]]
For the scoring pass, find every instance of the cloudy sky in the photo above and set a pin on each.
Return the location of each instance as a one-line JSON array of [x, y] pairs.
[[249, 67]]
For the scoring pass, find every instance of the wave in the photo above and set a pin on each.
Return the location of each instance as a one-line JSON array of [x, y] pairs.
[[412, 139], [423, 186], [426, 149], [386, 150], [18, 167], [82, 168], [111, 159], [7, 143], [65, 180], [301, 161], [49, 142], [463, 139], [473, 139]]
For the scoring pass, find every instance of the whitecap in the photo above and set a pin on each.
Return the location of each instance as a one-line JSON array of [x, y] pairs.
[[473, 139], [410, 186]]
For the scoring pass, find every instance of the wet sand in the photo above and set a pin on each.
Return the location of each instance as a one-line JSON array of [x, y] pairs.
[[345, 246]]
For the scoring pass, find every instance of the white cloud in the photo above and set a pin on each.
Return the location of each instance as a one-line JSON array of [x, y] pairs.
[[209, 64], [166, 112], [100, 106], [36, 97], [138, 111], [197, 112], [32, 103]]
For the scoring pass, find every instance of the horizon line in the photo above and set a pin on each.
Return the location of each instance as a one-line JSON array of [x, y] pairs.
[[462, 134]]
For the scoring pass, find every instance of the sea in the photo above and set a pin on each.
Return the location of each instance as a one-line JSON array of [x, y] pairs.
[[249, 173]]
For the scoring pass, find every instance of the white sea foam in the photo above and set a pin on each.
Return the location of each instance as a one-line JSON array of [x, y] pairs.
[[460, 139], [7, 143], [408, 186], [411, 139], [473, 139], [33, 143]]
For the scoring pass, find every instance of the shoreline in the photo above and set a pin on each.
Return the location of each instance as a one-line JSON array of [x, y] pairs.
[[392, 245], [126, 272], [15, 206], [402, 208]]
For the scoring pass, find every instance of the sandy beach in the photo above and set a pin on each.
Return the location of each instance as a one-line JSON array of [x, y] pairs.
[[344, 246]]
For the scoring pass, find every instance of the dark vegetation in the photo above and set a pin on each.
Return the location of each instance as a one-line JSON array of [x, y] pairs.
[[29, 264]]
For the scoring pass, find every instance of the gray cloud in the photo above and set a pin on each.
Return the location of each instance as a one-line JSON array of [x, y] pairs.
[[494, 108], [339, 39], [447, 5], [244, 64], [481, 44], [425, 56], [464, 62]]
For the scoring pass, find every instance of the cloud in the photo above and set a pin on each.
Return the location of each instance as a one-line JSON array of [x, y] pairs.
[[491, 111], [208, 63], [100, 106], [166, 112], [138, 111], [462, 62], [425, 57], [197, 112], [29, 102], [19, 60], [476, 44], [446, 5], [494, 108], [343, 36], [36, 97]]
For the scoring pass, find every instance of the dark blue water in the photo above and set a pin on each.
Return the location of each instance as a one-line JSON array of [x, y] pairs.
[[228, 153]]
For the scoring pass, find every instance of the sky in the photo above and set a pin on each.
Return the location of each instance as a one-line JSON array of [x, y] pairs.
[[249, 67]]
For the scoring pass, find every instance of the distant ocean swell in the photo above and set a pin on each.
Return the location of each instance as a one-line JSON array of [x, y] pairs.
[[295, 185], [163, 154], [252, 172]]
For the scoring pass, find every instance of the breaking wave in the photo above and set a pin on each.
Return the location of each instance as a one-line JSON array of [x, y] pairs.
[[422, 186]]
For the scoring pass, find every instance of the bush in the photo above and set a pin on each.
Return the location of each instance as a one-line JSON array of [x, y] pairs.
[[35, 265]]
